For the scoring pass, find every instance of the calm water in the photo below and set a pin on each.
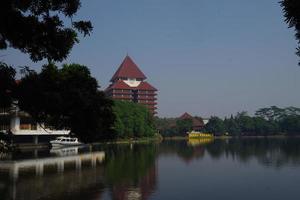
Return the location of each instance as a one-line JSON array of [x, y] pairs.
[[199, 169]]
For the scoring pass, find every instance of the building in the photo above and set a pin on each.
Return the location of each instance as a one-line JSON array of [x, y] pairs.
[[19, 127], [129, 84], [198, 123]]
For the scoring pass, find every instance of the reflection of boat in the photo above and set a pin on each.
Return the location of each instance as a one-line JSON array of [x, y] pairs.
[[197, 134], [200, 141], [65, 141], [69, 151]]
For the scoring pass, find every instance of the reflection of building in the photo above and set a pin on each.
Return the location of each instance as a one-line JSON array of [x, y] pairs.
[[41, 165], [198, 123], [128, 83], [145, 187], [53, 177]]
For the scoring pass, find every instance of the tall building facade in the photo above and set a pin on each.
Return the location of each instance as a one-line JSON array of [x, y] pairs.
[[129, 83]]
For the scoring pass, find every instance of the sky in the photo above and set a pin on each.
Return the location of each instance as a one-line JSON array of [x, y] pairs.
[[206, 57]]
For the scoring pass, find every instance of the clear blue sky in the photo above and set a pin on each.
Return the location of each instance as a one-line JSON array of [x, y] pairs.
[[206, 57]]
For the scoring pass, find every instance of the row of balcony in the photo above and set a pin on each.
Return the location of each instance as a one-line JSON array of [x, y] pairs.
[[131, 91], [139, 97]]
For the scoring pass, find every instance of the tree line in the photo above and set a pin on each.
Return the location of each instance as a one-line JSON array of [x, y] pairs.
[[267, 121], [170, 127]]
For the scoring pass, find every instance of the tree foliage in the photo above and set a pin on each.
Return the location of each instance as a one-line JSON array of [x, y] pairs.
[[132, 120], [267, 121], [215, 125], [166, 126], [67, 98], [170, 127], [183, 126], [37, 27], [7, 85], [291, 9]]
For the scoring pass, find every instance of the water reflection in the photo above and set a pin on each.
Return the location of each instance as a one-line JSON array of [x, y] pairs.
[[36, 178], [276, 152], [199, 141], [123, 172], [131, 171]]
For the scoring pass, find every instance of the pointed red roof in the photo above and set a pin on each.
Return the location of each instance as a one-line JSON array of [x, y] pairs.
[[119, 85], [196, 122], [186, 116], [146, 86], [128, 69]]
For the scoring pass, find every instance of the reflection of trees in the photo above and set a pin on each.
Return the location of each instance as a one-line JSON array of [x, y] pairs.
[[130, 171], [276, 152], [268, 152], [183, 149]]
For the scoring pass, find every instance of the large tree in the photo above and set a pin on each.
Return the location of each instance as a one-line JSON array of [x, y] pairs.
[[132, 120], [38, 27], [7, 84], [215, 126], [67, 97], [291, 9]]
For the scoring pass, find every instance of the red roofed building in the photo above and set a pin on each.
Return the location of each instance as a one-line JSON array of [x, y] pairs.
[[198, 123], [128, 83]]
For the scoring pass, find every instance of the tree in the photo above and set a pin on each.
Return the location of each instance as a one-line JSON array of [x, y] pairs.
[[291, 9], [215, 125], [232, 126], [245, 123], [7, 85], [274, 113], [166, 126], [263, 127], [183, 126], [67, 98], [132, 120], [291, 125], [37, 27]]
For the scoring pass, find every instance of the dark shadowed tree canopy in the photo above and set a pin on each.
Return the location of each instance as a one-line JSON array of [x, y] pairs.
[[67, 98], [291, 9], [7, 85], [37, 27], [183, 126], [216, 126]]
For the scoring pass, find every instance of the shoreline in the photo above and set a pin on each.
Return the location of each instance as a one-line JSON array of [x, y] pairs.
[[31, 146], [147, 140], [233, 137]]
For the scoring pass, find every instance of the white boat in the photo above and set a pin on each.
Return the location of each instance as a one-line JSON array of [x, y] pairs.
[[65, 141]]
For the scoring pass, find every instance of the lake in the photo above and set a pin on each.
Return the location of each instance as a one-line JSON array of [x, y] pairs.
[[196, 169]]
